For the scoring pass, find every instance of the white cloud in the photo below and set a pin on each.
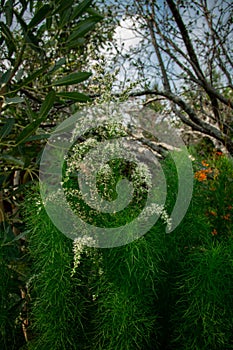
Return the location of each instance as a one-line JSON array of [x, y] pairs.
[[126, 35]]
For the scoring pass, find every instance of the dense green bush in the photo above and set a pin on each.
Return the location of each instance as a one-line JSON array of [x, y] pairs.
[[163, 291]]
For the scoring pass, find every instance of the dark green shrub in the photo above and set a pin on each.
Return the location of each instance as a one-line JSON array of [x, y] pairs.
[[11, 304]]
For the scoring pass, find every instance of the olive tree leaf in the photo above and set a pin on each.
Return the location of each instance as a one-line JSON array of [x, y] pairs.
[[39, 16], [80, 8], [12, 160], [63, 6], [9, 12], [57, 65], [7, 127], [73, 78], [47, 104], [83, 27], [9, 39], [5, 77], [75, 96], [12, 100], [42, 115]]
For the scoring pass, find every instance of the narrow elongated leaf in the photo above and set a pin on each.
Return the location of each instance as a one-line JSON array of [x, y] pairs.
[[32, 77], [32, 127], [73, 78], [74, 96], [65, 17], [78, 10], [18, 75], [28, 131], [33, 42], [63, 6], [5, 77], [31, 114], [38, 137], [7, 127], [9, 12], [75, 43], [57, 65], [10, 159], [48, 23], [94, 13], [40, 15], [21, 21], [20, 236], [12, 100], [83, 27], [47, 104], [6, 31], [8, 36]]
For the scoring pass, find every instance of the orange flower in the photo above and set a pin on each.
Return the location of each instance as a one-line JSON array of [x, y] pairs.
[[213, 213], [204, 163], [226, 217], [214, 232], [200, 175]]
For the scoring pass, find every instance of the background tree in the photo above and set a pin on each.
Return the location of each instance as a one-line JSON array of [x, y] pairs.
[[183, 54]]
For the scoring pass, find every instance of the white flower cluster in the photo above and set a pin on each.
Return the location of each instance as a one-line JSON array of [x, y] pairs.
[[142, 174], [54, 197], [158, 210], [39, 205], [79, 151], [79, 246], [113, 129]]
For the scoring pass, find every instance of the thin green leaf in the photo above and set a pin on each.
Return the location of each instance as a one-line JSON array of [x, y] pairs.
[[33, 42], [48, 23], [65, 17], [38, 137], [18, 75], [7, 127], [75, 43], [18, 237], [9, 12], [33, 76], [40, 15], [5, 77], [83, 27], [8, 36], [73, 78], [47, 104], [12, 160], [21, 235], [74, 96], [28, 131], [31, 114], [32, 127], [12, 100], [78, 10], [57, 65], [63, 6], [95, 13], [21, 21]]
